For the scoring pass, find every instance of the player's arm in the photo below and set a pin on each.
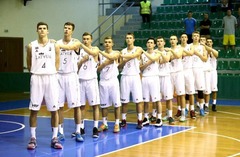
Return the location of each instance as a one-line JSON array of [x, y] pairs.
[[151, 57], [188, 53], [104, 64], [203, 56], [165, 58], [136, 54], [94, 51], [29, 57], [113, 56], [143, 66], [74, 46], [83, 60]]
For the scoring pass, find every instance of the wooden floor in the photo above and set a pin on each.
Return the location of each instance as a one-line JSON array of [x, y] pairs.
[[216, 134]]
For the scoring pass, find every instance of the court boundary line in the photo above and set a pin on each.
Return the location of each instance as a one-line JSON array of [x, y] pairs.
[[219, 135], [191, 128]]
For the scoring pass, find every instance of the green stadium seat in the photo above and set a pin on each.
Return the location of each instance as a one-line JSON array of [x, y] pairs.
[[238, 53], [145, 26], [174, 2], [167, 2], [234, 65], [230, 54], [222, 65], [221, 53], [155, 33], [137, 34], [146, 34], [219, 33], [139, 42], [216, 24], [155, 25]]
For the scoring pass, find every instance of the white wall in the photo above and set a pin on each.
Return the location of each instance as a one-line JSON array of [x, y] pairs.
[[21, 21]]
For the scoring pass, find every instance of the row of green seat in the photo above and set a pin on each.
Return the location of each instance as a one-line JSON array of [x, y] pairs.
[[222, 53], [174, 2], [182, 8], [228, 65]]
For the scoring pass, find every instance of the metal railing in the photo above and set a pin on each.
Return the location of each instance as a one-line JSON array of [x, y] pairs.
[[114, 21]]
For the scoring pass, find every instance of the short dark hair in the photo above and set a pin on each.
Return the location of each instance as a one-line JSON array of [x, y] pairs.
[[152, 38], [71, 24], [86, 33], [42, 23]]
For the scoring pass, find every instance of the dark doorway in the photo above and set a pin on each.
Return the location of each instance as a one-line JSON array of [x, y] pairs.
[[11, 54]]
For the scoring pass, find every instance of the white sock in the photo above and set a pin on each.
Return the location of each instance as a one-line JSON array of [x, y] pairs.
[[78, 128], [214, 101], [139, 116], [192, 107], [105, 121], [60, 128], [55, 132], [183, 112], [179, 107], [159, 116], [206, 104], [96, 123], [124, 116], [33, 132], [82, 124], [146, 115], [169, 113], [117, 121]]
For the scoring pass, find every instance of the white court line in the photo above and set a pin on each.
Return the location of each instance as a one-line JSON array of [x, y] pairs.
[[228, 137], [6, 132], [148, 141]]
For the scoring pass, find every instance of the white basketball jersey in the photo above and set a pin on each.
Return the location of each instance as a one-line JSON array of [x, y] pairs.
[[68, 60], [109, 71], [197, 62], [43, 58], [207, 64], [177, 64], [88, 69], [152, 69], [164, 68], [213, 61], [187, 60], [132, 66]]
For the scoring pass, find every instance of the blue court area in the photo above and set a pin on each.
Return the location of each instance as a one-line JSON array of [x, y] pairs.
[[14, 136]]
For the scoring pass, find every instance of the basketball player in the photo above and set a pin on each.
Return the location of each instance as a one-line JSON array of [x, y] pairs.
[[68, 81], [109, 84], [130, 81], [177, 73], [213, 74], [43, 63], [199, 57], [166, 89], [188, 75], [150, 81], [87, 65]]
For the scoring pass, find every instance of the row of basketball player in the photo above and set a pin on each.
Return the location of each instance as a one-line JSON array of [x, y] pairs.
[[73, 70]]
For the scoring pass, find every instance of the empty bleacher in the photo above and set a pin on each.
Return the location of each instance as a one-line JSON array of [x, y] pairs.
[[168, 20]]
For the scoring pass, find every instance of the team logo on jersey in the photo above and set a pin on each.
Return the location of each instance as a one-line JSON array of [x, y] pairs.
[[35, 105]]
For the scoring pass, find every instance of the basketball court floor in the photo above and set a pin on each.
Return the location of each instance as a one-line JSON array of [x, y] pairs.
[[219, 131]]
